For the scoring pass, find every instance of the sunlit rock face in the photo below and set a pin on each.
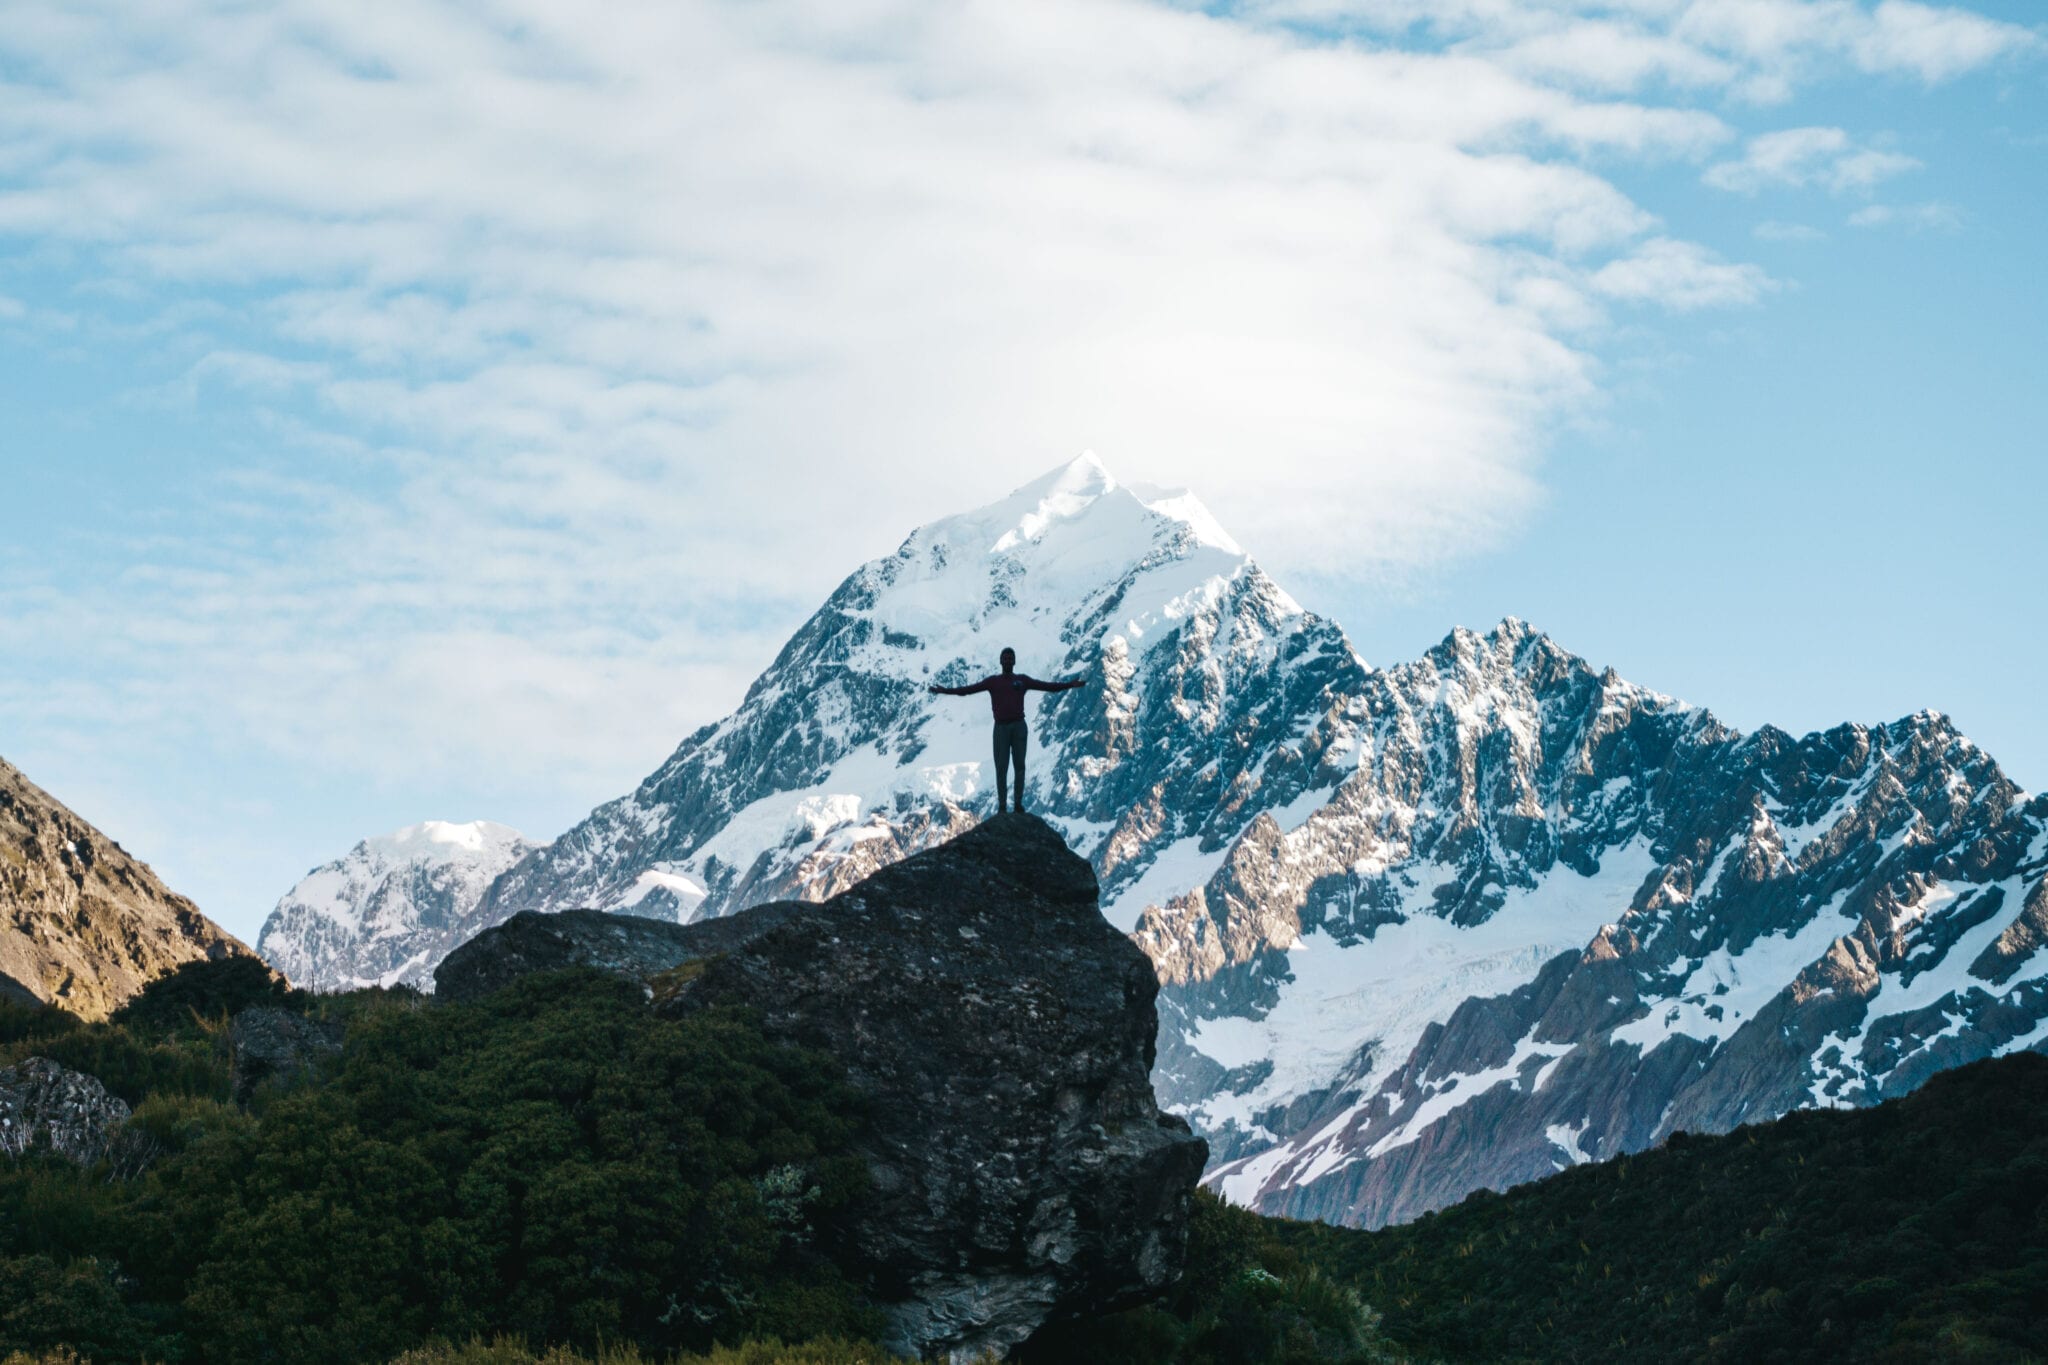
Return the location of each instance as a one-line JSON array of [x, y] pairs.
[[83, 924], [1422, 929]]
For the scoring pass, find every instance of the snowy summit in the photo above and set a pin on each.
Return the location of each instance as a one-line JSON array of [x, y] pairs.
[[1421, 930]]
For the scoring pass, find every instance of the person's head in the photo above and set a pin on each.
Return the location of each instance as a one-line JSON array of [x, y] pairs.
[[1009, 659]]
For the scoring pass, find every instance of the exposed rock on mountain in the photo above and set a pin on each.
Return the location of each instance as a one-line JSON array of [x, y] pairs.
[[1640, 922], [390, 910], [1421, 929], [1023, 1171], [43, 1104], [82, 924]]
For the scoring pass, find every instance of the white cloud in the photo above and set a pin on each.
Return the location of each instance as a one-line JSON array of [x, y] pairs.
[[1759, 50], [1771, 230], [1680, 275], [581, 351], [1797, 157], [1933, 216], [1935, 43]]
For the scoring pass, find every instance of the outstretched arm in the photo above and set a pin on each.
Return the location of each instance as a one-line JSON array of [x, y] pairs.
[[1066, 686]]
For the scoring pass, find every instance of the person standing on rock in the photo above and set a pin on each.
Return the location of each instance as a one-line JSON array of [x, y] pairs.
[[1006, 699]]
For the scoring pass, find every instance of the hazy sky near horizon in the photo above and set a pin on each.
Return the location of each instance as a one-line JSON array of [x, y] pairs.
[[436, 412]]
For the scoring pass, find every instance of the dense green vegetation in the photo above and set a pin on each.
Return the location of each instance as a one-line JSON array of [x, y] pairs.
[[1914, 1231], [555, 1165], [1247, 1298]]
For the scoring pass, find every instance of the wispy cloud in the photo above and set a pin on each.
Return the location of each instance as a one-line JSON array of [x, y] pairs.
[[1932, 216], [1771, 230], [1798, 157], [1756, 50], [580, 351]]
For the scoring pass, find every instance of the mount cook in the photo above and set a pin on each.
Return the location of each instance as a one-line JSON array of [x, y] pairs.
[[1420, 930]]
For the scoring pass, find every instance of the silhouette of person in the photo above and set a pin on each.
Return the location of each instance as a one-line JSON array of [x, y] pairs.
[[1006, 699]]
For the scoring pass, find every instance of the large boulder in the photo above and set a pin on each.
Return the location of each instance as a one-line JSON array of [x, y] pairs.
[[276, 1046], [624, 945], [1023, 1172], [45, 1104]]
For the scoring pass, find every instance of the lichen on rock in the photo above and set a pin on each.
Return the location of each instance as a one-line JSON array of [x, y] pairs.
[[43, 1104]]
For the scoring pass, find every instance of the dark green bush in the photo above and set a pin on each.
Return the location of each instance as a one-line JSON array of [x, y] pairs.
[[553, 1162], [1917, 1230], [206, 994], [28, 1023]]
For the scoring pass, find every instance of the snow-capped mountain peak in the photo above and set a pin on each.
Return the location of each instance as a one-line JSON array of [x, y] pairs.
[[1420, 929], [387, 911], [437, 842]]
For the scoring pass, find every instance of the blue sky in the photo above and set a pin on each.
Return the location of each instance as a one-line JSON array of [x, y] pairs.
[[436, 414]]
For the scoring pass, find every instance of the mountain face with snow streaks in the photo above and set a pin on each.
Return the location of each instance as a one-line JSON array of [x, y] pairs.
[[1765, 922], [389, 910], [1420, 930], [839, 761]]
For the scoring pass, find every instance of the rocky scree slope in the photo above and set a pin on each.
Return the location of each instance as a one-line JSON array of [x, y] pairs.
[[1385, 904], [1023, 1172], [390, 909], [82, 924]]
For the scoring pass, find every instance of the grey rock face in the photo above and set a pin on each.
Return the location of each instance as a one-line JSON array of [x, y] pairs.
[[1023, 1171], [43, 1104], [624, 945], [274, 1046]]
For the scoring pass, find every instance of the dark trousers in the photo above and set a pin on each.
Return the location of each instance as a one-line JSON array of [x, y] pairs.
[[1011, 737]]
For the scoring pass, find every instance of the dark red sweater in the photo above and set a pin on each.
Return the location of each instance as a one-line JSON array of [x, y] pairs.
[[1006, 692]]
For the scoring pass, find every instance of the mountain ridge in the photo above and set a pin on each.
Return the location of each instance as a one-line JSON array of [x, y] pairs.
[[1383, 904], [83, 923], [388, 910]]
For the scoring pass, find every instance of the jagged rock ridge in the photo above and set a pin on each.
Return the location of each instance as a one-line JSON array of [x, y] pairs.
[[82, 924], [1368, 892], [1022, 1169], [390, 909]]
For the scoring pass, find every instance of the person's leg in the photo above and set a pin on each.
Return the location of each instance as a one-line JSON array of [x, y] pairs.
[[1002, 767], [1021, 741]]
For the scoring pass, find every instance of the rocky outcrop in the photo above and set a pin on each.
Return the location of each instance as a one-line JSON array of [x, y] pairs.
[[1023, 1171], [267, 1045], [43, 1104], [82, 924], [624, 945]]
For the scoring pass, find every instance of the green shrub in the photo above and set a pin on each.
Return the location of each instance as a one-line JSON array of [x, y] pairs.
[[28, 1023], [204, 995], [130, 1067]]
